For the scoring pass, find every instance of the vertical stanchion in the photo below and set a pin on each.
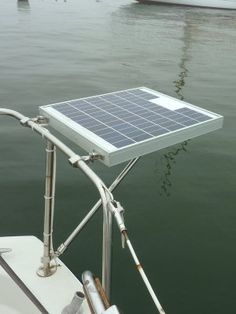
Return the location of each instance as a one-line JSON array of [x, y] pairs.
[[47, 269], [106, 251]]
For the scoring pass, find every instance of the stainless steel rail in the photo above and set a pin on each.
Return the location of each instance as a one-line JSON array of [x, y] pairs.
[[110, 207], [47, 269], [78, 162], [63, 246]]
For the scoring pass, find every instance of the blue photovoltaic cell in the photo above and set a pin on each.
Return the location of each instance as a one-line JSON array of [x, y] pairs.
[[128, 117]]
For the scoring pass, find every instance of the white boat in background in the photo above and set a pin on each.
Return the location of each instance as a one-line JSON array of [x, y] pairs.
[[217, 4]]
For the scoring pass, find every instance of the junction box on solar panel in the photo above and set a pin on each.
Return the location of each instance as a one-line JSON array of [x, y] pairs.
[[150, 121]]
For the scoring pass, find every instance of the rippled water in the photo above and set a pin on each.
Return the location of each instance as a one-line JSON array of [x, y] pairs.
[[180, 202]]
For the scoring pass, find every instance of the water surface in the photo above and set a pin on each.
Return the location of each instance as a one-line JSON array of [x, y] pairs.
[[180, 202]]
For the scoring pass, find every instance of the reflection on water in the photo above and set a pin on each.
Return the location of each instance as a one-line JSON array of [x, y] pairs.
[[168, 160], [164, 168], [187, 42], [23, 5]]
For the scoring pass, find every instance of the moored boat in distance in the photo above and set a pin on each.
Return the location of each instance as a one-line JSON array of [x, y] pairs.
[[217, 4]]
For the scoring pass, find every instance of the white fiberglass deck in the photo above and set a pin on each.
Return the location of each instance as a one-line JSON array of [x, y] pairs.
[[127, 124], [54, 292]]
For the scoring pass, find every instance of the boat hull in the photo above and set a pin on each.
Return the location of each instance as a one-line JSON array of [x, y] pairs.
[[219, 4], [53, 293]]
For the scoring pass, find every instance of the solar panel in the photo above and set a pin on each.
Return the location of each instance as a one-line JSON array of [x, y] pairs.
[[129, 123]]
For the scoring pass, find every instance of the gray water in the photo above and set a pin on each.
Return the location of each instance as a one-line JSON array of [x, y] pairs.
[[180, 202]]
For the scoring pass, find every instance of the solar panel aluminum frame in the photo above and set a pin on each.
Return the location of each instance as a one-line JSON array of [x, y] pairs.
[[112, 155]]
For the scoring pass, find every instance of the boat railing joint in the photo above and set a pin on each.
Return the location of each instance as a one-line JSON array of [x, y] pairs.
[[110, 206]]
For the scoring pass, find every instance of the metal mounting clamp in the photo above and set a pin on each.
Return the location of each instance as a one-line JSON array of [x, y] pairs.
[[25, 121], [118, 211], [74, 160], [41, 120]]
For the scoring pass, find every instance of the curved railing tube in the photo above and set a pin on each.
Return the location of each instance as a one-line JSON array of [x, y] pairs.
[[78, 162], [63, 246], [110, 207]]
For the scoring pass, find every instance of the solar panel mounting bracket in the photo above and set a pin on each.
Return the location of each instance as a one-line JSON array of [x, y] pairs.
[[87, 158]]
